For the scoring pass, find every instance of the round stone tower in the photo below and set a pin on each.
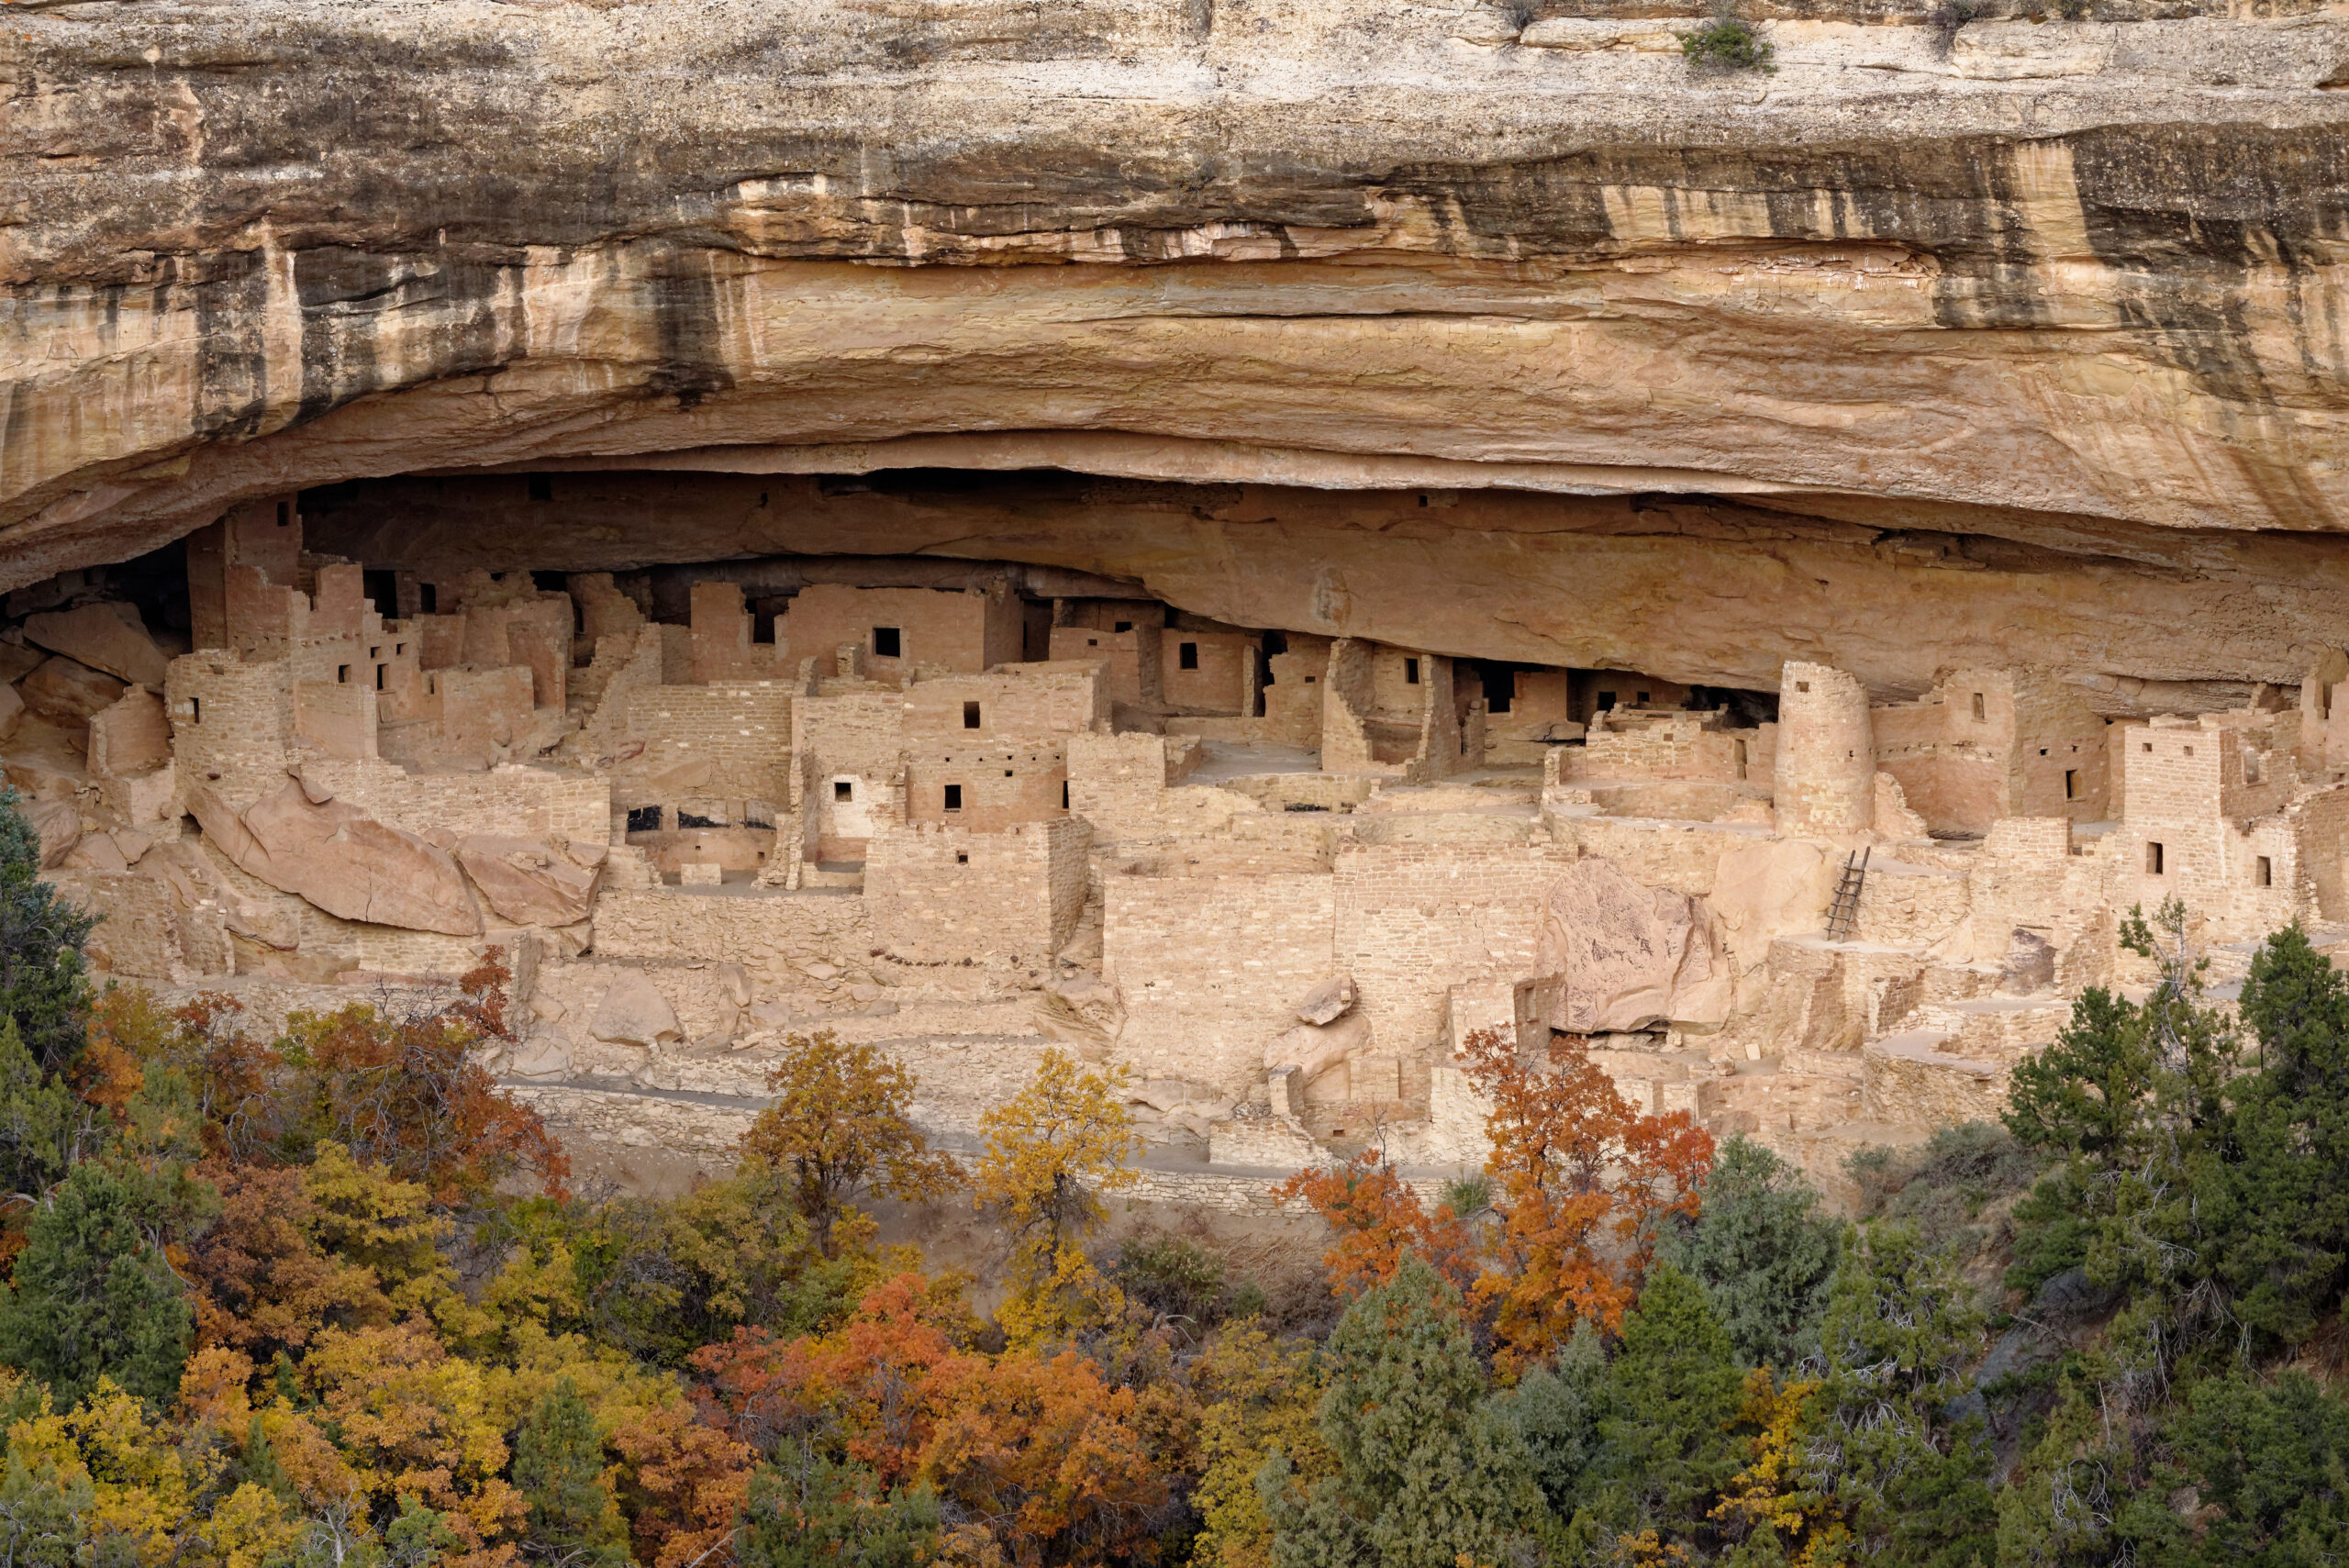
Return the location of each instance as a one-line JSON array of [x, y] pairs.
[[1826, 753]]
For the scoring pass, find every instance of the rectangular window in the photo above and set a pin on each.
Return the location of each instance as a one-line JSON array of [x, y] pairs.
[[2144, 746], [1410, 671], [1064, 795], [2152, 859], [1091, 642], [1187, 655], [1802, 685], [2071, 784], [428, 599], [962, 857], [1741, 758], [2189, 751], [644, 819], [342, 675], [970, 716], [1979, 716], [954, 797], [843, 790], [2264, 872], [196, 710], [379, 675], [2250, 768], [1123, 626], [1605, 701], [1641, 698], [886, 643], [284, 513]]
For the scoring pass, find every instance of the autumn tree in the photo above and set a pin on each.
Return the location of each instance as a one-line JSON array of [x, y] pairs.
[[1376, 1221], [1257, 1395], [1052, 1151], [1585, 1181], [404, 1091], [842, 1126]]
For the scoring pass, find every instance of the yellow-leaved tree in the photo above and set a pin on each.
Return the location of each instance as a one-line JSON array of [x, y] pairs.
[[841, 1126], [1051, 1152]]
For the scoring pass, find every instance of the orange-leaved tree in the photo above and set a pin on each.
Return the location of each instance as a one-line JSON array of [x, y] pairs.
[[1052, 1150], [403, 1091], [1375, 1221], [1584, 1181], [840, 1125]]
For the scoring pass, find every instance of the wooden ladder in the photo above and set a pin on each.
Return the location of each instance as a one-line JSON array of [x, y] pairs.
[[1845, 910]]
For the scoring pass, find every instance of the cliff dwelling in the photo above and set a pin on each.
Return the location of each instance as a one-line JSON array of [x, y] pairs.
[[339, 742], [1173, 568]]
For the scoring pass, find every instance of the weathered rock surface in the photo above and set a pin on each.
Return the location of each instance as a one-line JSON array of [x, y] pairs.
[[68, 691], [527, 881], [1314, 1049], [2004, 336], [110, 636], [1616, 956], [341, 859], [1326, 1001], [633, 1012]]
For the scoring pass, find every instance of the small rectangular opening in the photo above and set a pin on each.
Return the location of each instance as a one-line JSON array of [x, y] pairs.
[[2144, 746], [1187, 655], [962, 857], [1741, 758], [1802, 685], [428, 599], [2071, 784], [2251, 767], [196, 710], [2263, 872], [2189, 751], [1091, 642], [1979, 714], [1123, 626], [1064, 795], [887, 643], [843, 790], [1641, 698], [342, 675], [1410, 671], [2153, 858], [644, 819], [954, 797], [1605, 701], [970, 716], [284, 513], [379, 675]]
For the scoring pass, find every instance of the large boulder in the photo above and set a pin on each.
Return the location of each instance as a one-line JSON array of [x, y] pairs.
[[58, 824], [69, 691], [1314, 1049], [1617, 955], [108, 637], [341, 859], [527, 881], [633, 1012], [1326, 1001]]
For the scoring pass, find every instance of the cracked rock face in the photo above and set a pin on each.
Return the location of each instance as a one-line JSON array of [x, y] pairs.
[[2006, 333]]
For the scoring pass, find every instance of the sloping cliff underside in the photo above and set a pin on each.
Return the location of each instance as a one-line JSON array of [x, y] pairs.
[[1502, 334]]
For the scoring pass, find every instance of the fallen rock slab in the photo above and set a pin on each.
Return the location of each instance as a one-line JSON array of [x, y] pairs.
[[108, 637], [341, 859], [527, 881], [69, 691], [1617, 955]]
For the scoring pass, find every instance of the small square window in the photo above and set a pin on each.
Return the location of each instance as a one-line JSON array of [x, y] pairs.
[[962, 857], [970, 716], [400, 649], [843, 790], [1006, 773], [1410, 671], [2153, 858], [2263, 872], [1091, 642], [1186, 656], [954, 797], [2189, 751], [1802, 685], [887, 643], [2144, 746], [2043, 751], [1641, 698]]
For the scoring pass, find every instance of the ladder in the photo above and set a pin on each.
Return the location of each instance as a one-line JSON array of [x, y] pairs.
[[1841, 913]]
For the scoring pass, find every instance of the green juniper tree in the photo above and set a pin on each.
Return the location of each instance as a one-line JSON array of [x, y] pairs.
[[1430, 1468], [558, 1470], [43, 983], [1763, 1253]]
